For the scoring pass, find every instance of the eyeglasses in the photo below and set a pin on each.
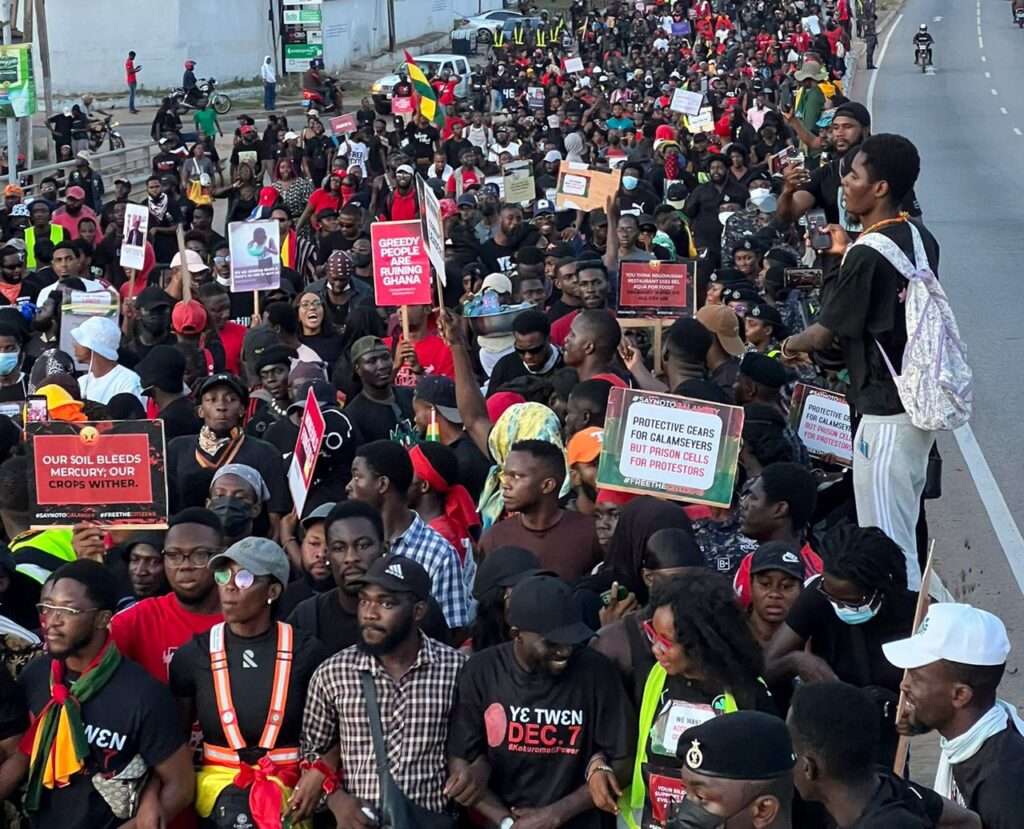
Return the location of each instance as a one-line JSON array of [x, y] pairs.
[[656, 638], [221, 260], [50, 611], [243, 578], [312, 303], [200, 558], [863, 601]]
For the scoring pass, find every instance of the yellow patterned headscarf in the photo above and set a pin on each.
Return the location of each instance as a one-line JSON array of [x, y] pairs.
[[523, 421]]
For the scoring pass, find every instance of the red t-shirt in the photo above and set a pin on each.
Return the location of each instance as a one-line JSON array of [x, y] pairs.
[[469, 178], [741, 581], [404, 207], [129, 70], [446, 529], [231, 336], [434, 355], [560, 328], [320, 200], [152, 630]]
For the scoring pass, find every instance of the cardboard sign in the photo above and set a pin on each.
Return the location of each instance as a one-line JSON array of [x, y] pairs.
[[250, 157], [109, 471], [133, 243], [821, 419], [518, 182], [554, 122], [401, 265], [401, 106], [581, 188], [703, 121], [657, 289], [433, 228], [307, 450], [671, 447], [255, 256], [76, 308], [346, 123], [574, 64], [686, 102]]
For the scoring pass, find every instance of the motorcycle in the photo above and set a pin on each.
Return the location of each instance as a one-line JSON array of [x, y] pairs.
[[331, 102], [1018, 17], [921, 57], [104, 130], [205, 90]]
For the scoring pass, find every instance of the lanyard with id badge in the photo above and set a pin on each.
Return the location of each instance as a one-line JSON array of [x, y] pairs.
[[672, 720]]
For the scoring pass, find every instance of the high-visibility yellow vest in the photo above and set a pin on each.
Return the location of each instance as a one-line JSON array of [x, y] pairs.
[[56, 235], [541, 42], [499, 39], [518, 35]]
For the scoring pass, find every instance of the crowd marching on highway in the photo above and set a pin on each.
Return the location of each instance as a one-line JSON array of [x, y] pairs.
[[475, 600]]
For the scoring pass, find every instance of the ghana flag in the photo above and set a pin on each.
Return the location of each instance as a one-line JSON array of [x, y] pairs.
[[428, 105]]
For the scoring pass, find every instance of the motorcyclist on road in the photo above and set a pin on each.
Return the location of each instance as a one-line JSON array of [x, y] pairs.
[[189, 83], [1014, 7], [923, 38], [315, 80]]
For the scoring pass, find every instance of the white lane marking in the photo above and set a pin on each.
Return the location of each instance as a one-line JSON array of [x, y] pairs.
[[991, 496], [988, 74], [995, 92], [983, 59], [881, 56], [992, 499], [981, 45], [1003, 110], [937, 19]]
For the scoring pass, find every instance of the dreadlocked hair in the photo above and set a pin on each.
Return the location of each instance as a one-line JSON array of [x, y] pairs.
[[713, 632], [867, 557]]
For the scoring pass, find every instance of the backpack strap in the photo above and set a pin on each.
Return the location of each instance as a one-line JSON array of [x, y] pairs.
[[887, 248]]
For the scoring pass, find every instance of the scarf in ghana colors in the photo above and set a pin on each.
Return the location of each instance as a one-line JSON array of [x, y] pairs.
[[56, 741]]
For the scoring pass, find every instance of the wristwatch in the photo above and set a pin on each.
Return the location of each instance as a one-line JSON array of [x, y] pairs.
[[507, 823]]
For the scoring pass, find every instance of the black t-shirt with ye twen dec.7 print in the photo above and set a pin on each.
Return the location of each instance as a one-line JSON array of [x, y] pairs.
[[538, 731]]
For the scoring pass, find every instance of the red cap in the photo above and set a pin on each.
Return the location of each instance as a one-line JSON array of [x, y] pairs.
[[665, 133], [448, 208], [497, 403], [612, 496], [76, 192], [188, 317]]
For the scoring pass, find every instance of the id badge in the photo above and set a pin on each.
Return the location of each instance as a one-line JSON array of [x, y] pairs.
[[674, 719]]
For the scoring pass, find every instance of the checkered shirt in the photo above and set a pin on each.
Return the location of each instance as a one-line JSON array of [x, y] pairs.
[[414, 712], [430, 550]]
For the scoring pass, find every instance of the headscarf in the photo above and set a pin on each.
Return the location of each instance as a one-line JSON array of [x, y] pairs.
[[638, 521], [458, 504], [523, 421], [574, 147]]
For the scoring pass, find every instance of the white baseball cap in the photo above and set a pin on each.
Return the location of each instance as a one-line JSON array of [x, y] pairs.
[[193, 260], [954, 632]]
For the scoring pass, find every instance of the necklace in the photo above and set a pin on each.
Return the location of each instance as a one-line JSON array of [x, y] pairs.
[[885, 223]]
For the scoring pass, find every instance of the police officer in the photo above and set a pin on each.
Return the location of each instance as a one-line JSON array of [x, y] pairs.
[[738, 771]]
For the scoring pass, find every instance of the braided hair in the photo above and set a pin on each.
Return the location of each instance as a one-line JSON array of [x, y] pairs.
[[867, 557], [713, 631]]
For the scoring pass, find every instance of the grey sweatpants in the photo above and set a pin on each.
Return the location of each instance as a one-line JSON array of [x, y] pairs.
[[890, 464]]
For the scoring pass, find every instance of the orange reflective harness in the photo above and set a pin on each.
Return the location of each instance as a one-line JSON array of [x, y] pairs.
[[278, 768]]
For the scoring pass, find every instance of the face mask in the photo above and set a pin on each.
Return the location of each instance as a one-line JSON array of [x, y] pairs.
[[233, 514], [360, 260], [223, 281], [689, 814], [9, 362], [630, 182], [759, 194], [724, 217], [856, 615]]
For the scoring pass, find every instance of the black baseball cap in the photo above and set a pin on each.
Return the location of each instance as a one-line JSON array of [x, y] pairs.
[[439, 392], [162, 368], [778, 555], [764, 370], [224, 379], [544, 605], [398, 574], [504, 566], [153, 296]]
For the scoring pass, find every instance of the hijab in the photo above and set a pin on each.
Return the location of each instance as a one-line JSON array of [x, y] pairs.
[[638, 521]]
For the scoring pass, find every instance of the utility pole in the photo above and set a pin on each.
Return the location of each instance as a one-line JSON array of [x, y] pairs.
[[26, 123], [44, 60], [12, 123]]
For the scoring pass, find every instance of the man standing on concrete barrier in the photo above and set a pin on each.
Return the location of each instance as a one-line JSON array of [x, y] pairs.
[[131, 72]]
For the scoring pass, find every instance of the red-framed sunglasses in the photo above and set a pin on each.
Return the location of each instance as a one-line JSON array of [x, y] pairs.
[[656, 638]]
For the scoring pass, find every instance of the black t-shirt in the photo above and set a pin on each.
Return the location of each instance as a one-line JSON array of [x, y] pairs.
[[854, 652], [251, 668], [862, 306], [421, 141], [316, 151], [899, 804], [34, 282], [473, 466], [13, 709], [188, 485], [166, 163], [373, 420], [131, 715], [179, 417], [989, 783], [559, 309], [537, 731], [282, 435], [498, 257]]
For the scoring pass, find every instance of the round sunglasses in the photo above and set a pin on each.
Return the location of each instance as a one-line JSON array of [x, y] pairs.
[[243, 578]]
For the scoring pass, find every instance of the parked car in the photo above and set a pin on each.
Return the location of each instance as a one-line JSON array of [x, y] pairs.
[[432, 65], [486, 24]]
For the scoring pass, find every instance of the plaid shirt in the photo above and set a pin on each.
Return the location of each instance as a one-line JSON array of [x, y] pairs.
[[430, 550], [414, 713]]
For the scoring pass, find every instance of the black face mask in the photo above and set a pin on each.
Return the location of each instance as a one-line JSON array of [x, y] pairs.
[[233, 513], [360, 260], [689, 814]]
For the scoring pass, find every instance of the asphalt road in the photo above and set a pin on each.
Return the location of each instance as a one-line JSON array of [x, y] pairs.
[[967, 119]]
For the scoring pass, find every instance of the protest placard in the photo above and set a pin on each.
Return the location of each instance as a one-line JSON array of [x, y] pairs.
[[307, 450], [670, 446], [574, 64], [686, 102], [401, 265], [518, 183], [133, 243], [255, 256], [821, 419], [581, 188], [401, 106], [110, 471], [433, 227], [342, 124], [535, 97], [250, 157], [703, 121], [76, 308], [657, 289]]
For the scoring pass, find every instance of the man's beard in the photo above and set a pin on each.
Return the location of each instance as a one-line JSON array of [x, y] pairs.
[[391, 641]]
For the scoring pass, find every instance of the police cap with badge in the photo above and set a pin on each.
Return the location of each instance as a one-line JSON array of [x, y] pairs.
[[745, 745]]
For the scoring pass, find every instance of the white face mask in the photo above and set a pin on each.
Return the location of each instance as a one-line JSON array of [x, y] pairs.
[[759, 195], [724, 217]]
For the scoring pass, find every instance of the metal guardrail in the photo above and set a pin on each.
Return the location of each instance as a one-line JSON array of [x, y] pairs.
[[133, 162]]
